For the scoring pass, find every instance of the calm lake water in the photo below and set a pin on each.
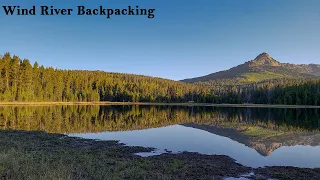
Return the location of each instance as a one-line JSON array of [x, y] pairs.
[[254, 137]]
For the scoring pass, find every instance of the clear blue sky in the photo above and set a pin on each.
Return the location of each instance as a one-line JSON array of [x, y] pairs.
[[187, 38]]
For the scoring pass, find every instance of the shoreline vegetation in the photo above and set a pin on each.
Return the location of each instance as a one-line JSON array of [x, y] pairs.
[[20, 81], [154, 104], [39, 155]]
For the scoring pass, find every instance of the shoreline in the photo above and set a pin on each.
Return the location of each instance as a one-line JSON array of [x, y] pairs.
[[155, 104], [40, 155]]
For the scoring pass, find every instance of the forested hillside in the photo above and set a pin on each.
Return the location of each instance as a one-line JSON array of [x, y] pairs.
[[21, 81], [264, 80], [290, 91]]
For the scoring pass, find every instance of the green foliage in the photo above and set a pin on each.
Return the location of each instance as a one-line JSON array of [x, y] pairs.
[[20, 81], [287, 91], [261, 76]]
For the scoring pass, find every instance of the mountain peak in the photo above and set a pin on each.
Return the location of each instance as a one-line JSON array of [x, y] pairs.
[[264, 59], [263, 67], [263, 55]]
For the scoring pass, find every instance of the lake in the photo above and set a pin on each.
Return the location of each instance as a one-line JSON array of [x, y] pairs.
[[254, 137]]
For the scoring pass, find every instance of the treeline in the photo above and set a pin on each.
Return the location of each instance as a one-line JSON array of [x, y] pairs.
[[21, 81], [290, 92], [287, 91]]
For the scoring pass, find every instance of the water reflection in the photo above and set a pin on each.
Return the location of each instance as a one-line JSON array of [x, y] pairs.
[[179, 138], [252, 136], [80, 119]]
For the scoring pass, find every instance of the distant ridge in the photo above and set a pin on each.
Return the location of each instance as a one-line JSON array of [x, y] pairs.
[[263, 67]]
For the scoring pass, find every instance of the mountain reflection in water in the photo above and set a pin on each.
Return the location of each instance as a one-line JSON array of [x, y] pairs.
[[252, 136]]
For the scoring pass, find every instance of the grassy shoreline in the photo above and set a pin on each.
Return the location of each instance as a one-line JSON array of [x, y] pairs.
[[155, 104], [39, 155]]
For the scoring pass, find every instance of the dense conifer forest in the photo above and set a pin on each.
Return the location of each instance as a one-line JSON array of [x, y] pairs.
[[287, 91], [22, 81]]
